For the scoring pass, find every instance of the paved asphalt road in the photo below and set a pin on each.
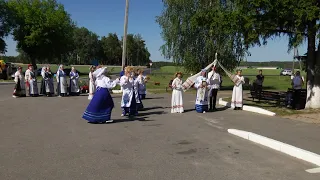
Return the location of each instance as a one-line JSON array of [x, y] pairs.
[[46, 138]]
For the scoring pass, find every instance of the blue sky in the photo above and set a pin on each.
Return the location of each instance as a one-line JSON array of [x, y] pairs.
[[105, 16]]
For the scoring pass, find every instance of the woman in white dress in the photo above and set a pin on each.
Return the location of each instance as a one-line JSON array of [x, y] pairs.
[[136, 89], [202, 93], [74, 89], [62, 86], [19, 89], [142, 84], [92, 86], [31, 80], [177, 94], [128, 102], [237, 93]]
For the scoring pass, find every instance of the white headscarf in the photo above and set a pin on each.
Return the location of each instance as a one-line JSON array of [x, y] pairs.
[[43, 71], [60, 67]]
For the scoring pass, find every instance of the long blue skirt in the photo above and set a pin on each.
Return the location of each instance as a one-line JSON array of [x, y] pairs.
[[133, 109], [100, 107], [201, 108]]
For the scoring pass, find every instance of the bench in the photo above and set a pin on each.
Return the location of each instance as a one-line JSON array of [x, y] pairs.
[[278, 97]]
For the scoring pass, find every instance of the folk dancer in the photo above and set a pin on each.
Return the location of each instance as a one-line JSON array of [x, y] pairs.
[[50, 86], [128, 102], [92, 86], [43, 81], [202, 93], [19, 89], [31, 79], [62, 85], [214, 82], [136, 89], [177, 94], [100, 107], [237, 93], [142, 84], [297, 83], [74, 88]]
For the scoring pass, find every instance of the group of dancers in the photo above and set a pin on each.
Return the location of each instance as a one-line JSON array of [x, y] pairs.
[[207, 90], [28, 82], [133, 85]]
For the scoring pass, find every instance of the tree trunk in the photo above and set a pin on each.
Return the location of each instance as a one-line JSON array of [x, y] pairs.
[[313, 79]]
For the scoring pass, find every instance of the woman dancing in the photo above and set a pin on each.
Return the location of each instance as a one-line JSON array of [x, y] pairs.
[[100, 107]]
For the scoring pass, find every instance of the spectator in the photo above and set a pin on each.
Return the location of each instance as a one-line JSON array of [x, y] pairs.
[[297, 83], [259, 83]]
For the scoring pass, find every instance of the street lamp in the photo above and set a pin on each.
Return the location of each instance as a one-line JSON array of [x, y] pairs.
[[124, 43]]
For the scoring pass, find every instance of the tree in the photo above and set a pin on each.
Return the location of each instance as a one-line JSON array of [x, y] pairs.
[[86, 46], [297, 19], [112, 50], [195, 30], [137, 52], [44, 30], [5, 24]]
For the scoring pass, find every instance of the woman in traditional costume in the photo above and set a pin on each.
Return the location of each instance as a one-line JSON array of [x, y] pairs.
[[137, 84], [92, 86], [237, 93], [100, 107], [31, 78], [142, 84], [50, 87], [202, 93], [177, 94], [128, 102], [74, 89], [43, 81], [19, 89], [62, 85]]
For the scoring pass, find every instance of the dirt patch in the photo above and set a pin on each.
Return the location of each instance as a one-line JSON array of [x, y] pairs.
[[313, 118]]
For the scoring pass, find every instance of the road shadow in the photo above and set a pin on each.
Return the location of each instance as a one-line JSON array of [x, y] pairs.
[[155, 107], [222, 108], [126, 119], [151, 113], [188, 110], [153, 98]]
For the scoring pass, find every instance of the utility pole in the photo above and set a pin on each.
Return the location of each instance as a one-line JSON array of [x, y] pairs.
[[124, 43]]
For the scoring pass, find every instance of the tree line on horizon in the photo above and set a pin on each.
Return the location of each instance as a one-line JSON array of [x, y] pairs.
[[45, 33]]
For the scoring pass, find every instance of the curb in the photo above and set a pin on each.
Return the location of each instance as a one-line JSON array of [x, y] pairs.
[[278, 146], [116, 91], [248, 108]]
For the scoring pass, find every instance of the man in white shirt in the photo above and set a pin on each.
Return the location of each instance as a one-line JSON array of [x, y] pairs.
[[214, 81]]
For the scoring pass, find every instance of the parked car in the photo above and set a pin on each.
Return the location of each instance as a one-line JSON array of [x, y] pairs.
[[286, 72]]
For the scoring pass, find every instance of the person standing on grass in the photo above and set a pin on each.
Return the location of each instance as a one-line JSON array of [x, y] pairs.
[[100, 107], [297, 83], [202, 93], [214, 82], [177, 94], [237, 93], [259, 83]]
